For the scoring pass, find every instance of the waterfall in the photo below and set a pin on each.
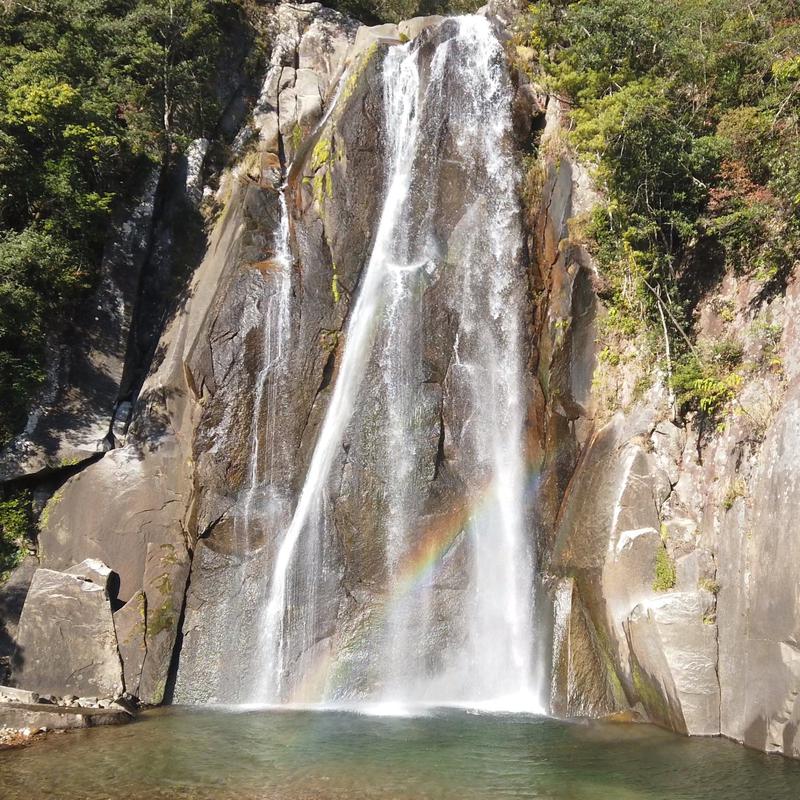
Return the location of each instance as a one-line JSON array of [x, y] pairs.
[[360, 335], [465, 91]]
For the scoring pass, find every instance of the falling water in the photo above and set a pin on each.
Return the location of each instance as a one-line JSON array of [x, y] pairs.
[[466, 91], [360, 335], [276, 330]]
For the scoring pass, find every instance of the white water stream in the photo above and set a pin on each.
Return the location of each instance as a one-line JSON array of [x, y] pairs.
[[465, 90]]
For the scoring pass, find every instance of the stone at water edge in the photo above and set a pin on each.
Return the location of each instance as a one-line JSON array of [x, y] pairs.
[[129, 622], [674, 647], [10, 694], [165, 576], [66, 642]]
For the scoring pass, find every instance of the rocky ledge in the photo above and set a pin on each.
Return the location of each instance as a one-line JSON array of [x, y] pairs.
[[25, 715]]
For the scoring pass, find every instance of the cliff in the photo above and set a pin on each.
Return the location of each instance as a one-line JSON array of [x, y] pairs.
[[671, 553]]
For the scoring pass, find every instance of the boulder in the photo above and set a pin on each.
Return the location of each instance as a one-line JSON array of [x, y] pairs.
[[674, 644], [66, 643], [323, 47], [370, 35], [166, 572], [92, 569], [411, 28], [309, 98], [613, 492], [130, 625]]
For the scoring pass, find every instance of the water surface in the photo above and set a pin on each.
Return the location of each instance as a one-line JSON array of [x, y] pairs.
[[305, 755]]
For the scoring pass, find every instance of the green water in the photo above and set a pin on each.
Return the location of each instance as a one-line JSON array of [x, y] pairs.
[[324, 756]]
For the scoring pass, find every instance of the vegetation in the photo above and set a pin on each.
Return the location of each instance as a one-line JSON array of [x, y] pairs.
[[91, 93], [665, 571], [735, 490], [690, 112], [709, 585], [706, 379], [15, 523], [396, 10]]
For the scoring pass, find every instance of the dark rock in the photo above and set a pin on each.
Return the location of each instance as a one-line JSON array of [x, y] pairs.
[[72, 419], [12, 599]]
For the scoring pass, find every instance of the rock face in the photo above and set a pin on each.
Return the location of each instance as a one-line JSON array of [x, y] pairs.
[[130, 623], [230, 368], [671, 561], [72, 420], [638, 629], [332, 231], [759, 598], [12, 598], [66, 642]]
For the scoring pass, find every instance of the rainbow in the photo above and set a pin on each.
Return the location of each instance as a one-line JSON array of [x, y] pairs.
[[428, 552]]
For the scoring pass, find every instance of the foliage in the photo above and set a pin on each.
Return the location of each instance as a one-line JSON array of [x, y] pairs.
[[15, 521], [665, 571], [373, 11], [769, 335], [709, 385], [91, 92], [690, 112], [735, 490]]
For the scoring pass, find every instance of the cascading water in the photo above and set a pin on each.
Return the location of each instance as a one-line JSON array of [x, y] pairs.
[[360, 335], [262, 507], [462, 93], [276, 332]]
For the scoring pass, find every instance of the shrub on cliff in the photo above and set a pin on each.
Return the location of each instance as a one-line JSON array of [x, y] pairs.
[[690, 112], [376, 11], [15, 521]]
